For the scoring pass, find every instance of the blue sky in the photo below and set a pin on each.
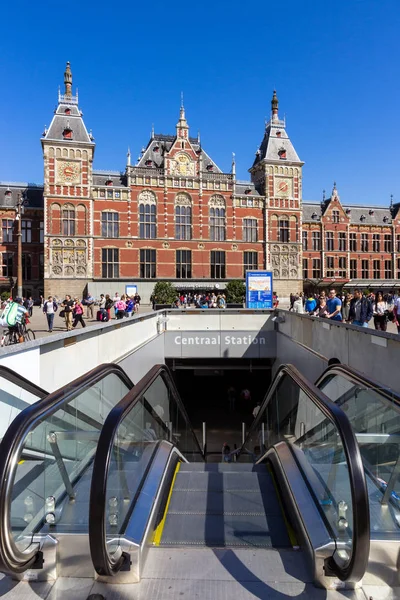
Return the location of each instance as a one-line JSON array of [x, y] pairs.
[[335, 65]]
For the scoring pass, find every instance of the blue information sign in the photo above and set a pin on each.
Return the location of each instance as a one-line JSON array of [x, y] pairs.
[[259, 289]]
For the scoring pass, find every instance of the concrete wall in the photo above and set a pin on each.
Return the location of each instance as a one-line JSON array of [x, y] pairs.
[[54, 361], [374, 353]]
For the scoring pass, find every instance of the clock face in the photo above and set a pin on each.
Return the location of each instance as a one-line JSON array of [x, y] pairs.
[[283, 187], [68, 171]]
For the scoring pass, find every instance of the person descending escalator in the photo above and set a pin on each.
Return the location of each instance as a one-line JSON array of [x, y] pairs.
[[226, 453]]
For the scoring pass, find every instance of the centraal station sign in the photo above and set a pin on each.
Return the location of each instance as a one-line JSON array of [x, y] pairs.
[[219, 344]]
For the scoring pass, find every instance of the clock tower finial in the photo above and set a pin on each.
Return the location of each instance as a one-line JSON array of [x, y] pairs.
[[182, 127], [68, 80], [274, 106]]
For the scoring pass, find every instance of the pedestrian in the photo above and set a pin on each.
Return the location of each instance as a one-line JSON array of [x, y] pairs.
[[130, 306], [120, 307], [30, 306], [67, 305], [102, 302], [380, 311], [256, 409], [346, 307], [226, 453], [108, 305], [310, 305], [360, 310], [298, 305], [116, 299], [49, 309], [78, 314], [136, 299], [90, 306], [322, 309], [334, 306]]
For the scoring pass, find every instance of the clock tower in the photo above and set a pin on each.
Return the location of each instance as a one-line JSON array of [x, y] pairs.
[[277, 175], [68, 151]]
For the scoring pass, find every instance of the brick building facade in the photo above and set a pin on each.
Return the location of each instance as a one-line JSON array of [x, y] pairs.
[[175, 215]]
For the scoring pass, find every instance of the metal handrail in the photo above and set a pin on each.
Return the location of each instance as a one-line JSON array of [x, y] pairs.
[[357, 565], [360, 378], [22, 382], [97, 507], [12, 560]]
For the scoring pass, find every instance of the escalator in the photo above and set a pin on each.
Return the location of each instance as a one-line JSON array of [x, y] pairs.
[[374, 413], [297, 481], [46, 459]]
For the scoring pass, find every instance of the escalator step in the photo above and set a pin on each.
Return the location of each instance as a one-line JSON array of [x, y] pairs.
[[221, 502]]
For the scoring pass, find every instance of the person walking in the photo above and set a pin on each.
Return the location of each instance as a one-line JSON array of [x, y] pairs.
[[116, 299], [49, 309], [108, 305], [78, 314], [30, 306], [90, 306], [334, 305], [346, 308], [136, 300], [67, 305], [380, 311], [322, 308], [298, 305], [360, 310]]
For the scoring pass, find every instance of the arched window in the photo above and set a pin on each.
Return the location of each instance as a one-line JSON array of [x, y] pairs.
[[217, 219], [147, 215], [284, 230], [183, 222], [68, 220], [183, 217]]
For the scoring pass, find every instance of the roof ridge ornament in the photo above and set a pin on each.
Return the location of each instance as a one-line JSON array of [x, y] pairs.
[[68, 79], [274, 106]]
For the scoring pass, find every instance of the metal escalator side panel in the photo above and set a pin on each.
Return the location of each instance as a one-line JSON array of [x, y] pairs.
[[150, 413], [278, 421], [40, 417]]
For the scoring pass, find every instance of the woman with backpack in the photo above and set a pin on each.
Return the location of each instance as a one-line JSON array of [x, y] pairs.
[[78, 314], [108, 305]]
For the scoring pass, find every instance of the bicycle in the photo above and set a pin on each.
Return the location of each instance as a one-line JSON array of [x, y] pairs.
[[12, 335]]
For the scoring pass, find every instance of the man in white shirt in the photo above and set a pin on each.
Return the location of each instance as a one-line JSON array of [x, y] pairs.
[[49, 308]]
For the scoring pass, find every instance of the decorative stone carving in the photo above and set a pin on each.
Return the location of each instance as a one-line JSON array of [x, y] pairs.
[[81, 243], [57, 257], [166, 245], [293, 260], [69, 243], [293, 273], [68, 271], [200, 246], [129, 244], [56, 243], [68, 257], [183, 199], [81, 270], [217, 200], [57, 270], [285, 260], [147, 197], [80, 257]]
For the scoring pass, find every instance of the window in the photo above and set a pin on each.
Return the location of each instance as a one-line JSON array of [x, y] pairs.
[[377, 269], [7, 264], [110, 224], [8, 226], [26, 267], [26, 230], [109, 263], [183, 222], [388, 242], [41, 266], [41, 232], [353, 242], [316, 268], [364, 269], [147, 221], [398, 243], [335, 216], [148, 264], [284, 230], [217, 264], [249, 230], [330, 266], [305, 268], [398, 268], [68, 221], [316, 240], [217, 224], [342, 267], [376, 242], [364, 242], [329, 241], [353, 269], [342, 241], [183, 264], [388, 269], [250, 262], [305, 241]]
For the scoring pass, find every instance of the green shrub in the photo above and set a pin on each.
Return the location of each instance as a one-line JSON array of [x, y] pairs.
[[164, 292], [4, 296], [235, 291]]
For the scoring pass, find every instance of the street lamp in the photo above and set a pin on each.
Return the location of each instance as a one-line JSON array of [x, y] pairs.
[[18, 218]]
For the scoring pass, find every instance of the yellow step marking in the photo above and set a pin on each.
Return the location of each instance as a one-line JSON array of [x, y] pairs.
[[159, 531], [21, 462]]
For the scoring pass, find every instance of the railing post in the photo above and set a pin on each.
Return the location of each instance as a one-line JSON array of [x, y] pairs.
[[204, 438], [243, 433]]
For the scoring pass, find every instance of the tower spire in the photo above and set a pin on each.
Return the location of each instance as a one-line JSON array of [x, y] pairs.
[[233, 163], [274, 106], [68, 79], [182, 127]]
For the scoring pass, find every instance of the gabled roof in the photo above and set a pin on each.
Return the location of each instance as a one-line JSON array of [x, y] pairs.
[[164, 143], [73, 120], [100, 177], [10, 191], [373, 215], [246, 188], [276, 141]]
